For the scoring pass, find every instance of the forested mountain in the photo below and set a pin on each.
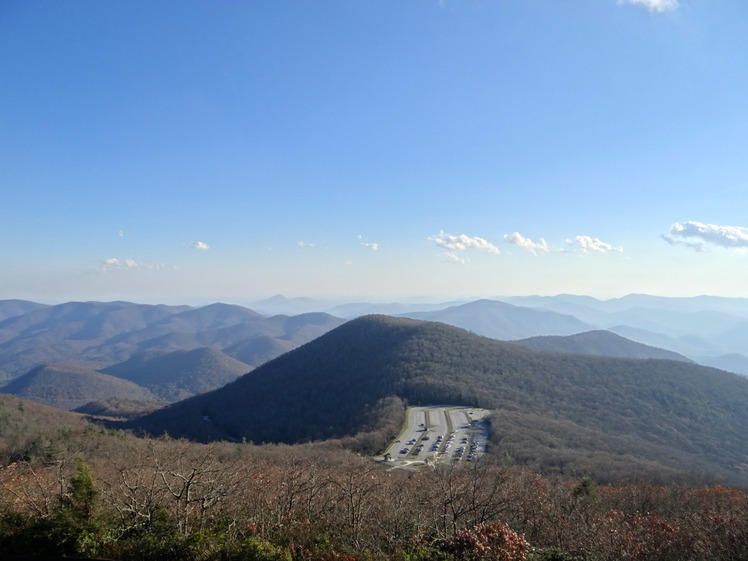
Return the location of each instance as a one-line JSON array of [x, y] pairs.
[[22, 422], [690, 346], [259, 350], [180, 374], [735, 306], [101, 334], [119, 407], [697, 326], [598, 343], [13, 308], [69, 331], [734, 362], [656, 414], [68, 386], [710, 330], [500, 320]]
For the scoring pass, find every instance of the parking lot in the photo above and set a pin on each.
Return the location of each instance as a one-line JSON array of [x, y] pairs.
[[439, 434]]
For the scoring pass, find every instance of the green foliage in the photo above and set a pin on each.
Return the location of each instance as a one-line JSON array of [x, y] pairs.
[[256, 549], [586, 488], [158, 541], [82, 492], [60, 533]]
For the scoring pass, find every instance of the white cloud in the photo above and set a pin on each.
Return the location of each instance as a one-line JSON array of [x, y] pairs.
[[526, 243], [121, 233], [304, 244], [452, 257], [697, 234], [202, 246], [463, 242], [657, 6], [587, 244], [114, 264]]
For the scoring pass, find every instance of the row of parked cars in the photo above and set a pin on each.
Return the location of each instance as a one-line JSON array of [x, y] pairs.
[[437, 444]]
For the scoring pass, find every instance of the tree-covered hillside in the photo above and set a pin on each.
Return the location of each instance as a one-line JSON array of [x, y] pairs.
[[68, 386], [598, 343], [673, 415], [180, 374]]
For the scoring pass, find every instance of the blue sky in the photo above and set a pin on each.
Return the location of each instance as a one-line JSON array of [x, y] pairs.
[[200, 151]]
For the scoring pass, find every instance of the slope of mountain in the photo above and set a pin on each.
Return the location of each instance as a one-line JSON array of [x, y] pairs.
[[189, 331], [23, 424], [700, 326], [215, 324], [118, 407], [732, 363], [688, 346], [705, 323], [212, 316], [676, 415], [280, 304], [259, 350], [14, 308], [357, 309], [180, 374], [598, 343], [103, 334], [66, 331], [731, 306], [67, 386], [500, 320]]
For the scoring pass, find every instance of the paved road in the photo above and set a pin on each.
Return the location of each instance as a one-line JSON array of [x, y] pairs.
[[439, 434]]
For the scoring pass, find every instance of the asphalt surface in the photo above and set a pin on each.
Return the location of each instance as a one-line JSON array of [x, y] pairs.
[[439, 434]]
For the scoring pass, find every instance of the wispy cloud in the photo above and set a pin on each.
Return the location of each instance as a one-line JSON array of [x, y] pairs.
[[527, 244], [463, 243], [202, 246], [304, 244], [114, 264], [121, 233], [371, 245], [588, 244], [656, 6], [452, 257], [695, 235]]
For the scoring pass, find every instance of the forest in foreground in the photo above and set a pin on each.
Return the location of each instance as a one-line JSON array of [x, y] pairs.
[[86, 491]]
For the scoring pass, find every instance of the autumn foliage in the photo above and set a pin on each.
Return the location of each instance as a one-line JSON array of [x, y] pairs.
[[106, 494], [494, 541]]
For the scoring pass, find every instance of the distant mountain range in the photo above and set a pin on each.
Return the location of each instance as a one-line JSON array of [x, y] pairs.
[[703, 328], [706, 329], [499, 320], [598, 343], [554, 411], [576, 384], [164, 352], [174, 352]]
